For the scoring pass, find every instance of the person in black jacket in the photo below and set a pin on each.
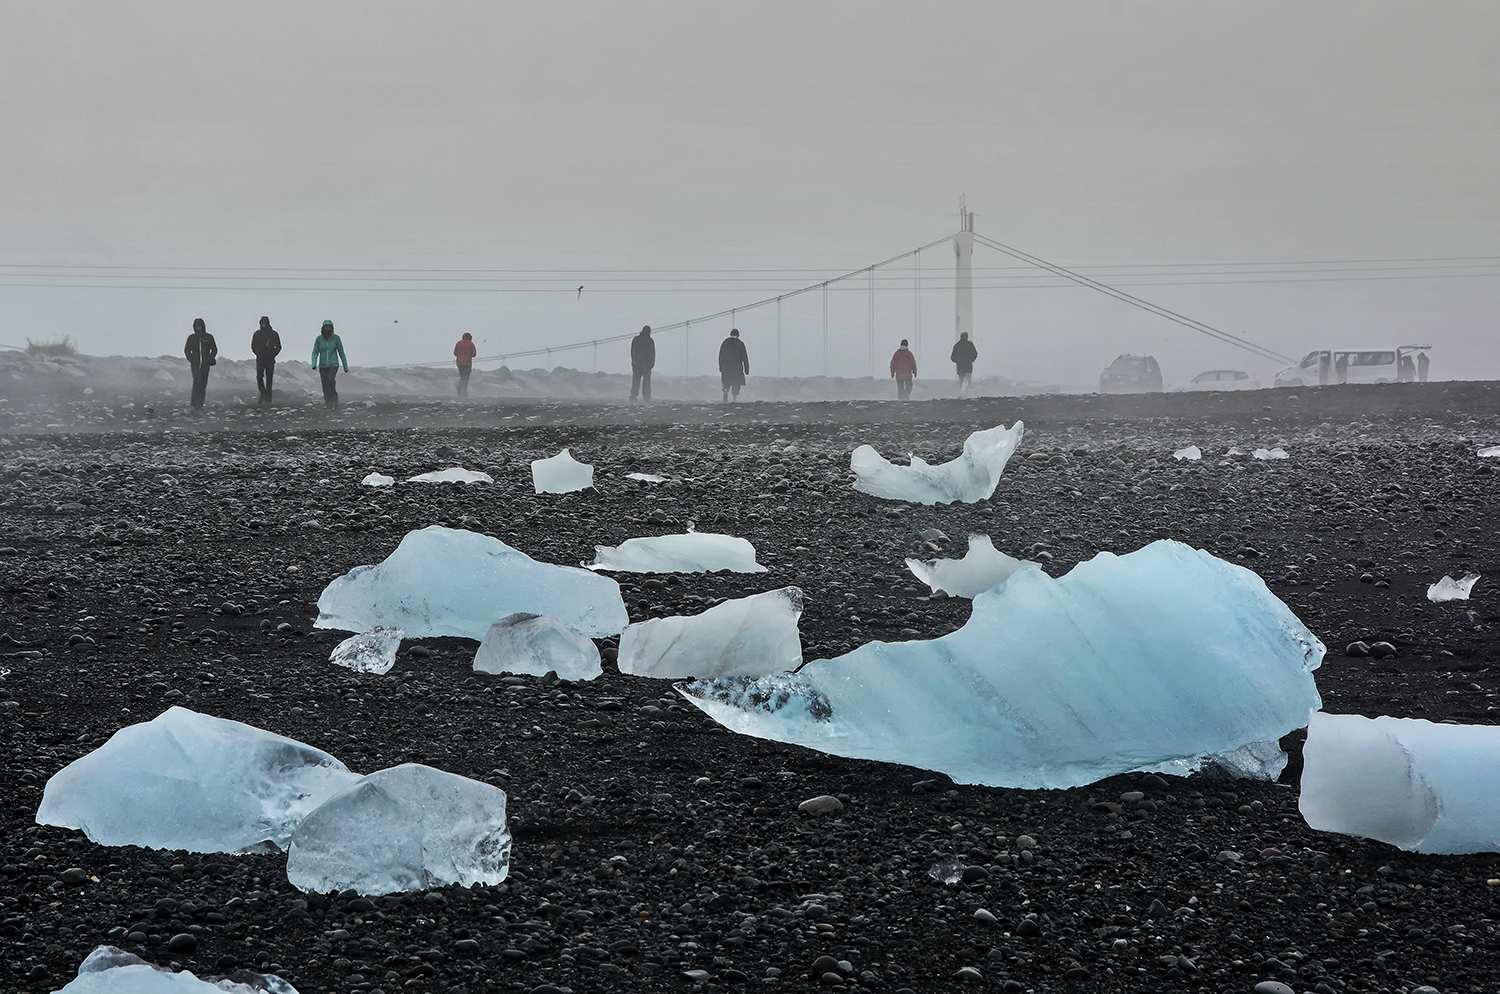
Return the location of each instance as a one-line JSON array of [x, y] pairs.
[[642, 359], [266, 344], [734, 364], [202, 352], [963, 355]]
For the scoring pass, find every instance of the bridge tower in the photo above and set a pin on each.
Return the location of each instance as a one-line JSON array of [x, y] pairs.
[[963, 283]]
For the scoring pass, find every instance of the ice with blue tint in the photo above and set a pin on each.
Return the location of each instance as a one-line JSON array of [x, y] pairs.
[[538, 645], [1415, 784], [373, 651], [447, 581], [971, 477], [108, 970], [191, 781], [746, 636], [1155, 660], [695, 552], [455, 474], [981, 568], [561, 474], [407, 828]]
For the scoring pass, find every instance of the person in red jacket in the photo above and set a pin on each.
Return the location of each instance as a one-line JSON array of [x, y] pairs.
[[465, 352], [903, 371]]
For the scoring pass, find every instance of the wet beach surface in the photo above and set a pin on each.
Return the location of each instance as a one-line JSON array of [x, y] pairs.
[[149, 557]]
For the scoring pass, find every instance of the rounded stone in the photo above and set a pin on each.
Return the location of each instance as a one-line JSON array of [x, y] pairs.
[[183, 942], [1357, 650], [74, 875], [1272, 987]]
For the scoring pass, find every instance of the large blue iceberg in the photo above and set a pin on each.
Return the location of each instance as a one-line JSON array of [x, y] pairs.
[[1156, 660]]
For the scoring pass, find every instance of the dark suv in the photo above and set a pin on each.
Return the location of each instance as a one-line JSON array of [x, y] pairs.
[[1131, 374]]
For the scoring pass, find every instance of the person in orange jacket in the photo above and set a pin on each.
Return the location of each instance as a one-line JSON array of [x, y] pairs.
[[465, 351], [903, 370]]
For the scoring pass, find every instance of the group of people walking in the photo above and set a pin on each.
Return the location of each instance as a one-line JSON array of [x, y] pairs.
[[327, 353], [734, 365]]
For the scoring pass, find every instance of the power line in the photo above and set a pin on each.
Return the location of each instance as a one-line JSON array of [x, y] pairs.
[[1198, 326]]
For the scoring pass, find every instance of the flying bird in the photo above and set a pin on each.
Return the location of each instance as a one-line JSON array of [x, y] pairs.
[[580, 294]]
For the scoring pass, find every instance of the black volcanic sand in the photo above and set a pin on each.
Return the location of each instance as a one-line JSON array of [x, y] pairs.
[[147, 558]]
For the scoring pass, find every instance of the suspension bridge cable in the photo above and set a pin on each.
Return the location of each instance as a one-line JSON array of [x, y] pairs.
[[1204, 329]]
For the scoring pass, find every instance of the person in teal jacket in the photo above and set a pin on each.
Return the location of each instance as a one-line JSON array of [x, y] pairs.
[[327, 353]]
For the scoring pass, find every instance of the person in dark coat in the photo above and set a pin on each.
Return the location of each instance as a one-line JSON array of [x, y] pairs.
[[963, 355], [1422, 363], [1341, 366], [266, 345], [202, 352], [642, 359], [734, 364], [464, 352], [903, 371]]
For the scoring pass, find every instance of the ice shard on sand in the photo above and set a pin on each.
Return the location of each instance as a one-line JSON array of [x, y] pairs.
[[1416, 784], [695, 552], [373, 651], [108, 970], [410, 827], [981, 568], [191, 781], [1153, 660], [561, 474], [447, 581], [456, 474], [747, 636], [971, 477], [538, 645]]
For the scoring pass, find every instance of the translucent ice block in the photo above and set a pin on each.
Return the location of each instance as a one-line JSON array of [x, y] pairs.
[[1449, 589], [108, 970], [536, 644], [373, 651], [748, 636], [695, 552], [971, 477], [456, 474], [981, 568], [561, 474]]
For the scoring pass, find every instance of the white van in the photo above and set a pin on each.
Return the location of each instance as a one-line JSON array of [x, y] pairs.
[[1372, 365]]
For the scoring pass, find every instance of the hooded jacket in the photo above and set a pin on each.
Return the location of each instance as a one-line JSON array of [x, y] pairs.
[[328, 351], [465, 351], [201, 350], [642, 353], [734, 362], [265, 344]]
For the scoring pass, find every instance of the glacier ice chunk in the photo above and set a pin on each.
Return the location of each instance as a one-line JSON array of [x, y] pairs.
[[561, 474], [185, 780], [747, 636], [455, 474], [1277, 453], [1490, 452], [373, 651], [447, 581], [1419, 785], [1191, 453], [410, 827], [1449, 589], [971, 477], [108, 970], [378, 480], [981, 568], [1153, 660], [695, 552], [646, 477], [536, 644]]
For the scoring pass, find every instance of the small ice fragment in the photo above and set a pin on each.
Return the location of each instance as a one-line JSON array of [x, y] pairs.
[[981, 568], [447, 581], [537, 644], [456, 474], [646, 477], [747, 636], [695, 552], [378, 480], [1155, 660], [1449, 589], [1276, 453], [407, 828], [561, 474], [1234, 450], [372, 652], [1192, 454], [192, 781], [948, 871], [108, 970], [971, 477], [1490, 452], [1413, 783]]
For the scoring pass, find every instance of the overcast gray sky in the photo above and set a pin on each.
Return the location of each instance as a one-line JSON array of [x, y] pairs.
[[1301, 144]]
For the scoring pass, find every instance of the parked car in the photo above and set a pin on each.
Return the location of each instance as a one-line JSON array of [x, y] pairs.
[[1322, 367], [1224, 379], [1131, 374]]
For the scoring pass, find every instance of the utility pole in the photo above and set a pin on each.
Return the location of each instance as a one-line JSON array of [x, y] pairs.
[[963, 282]]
